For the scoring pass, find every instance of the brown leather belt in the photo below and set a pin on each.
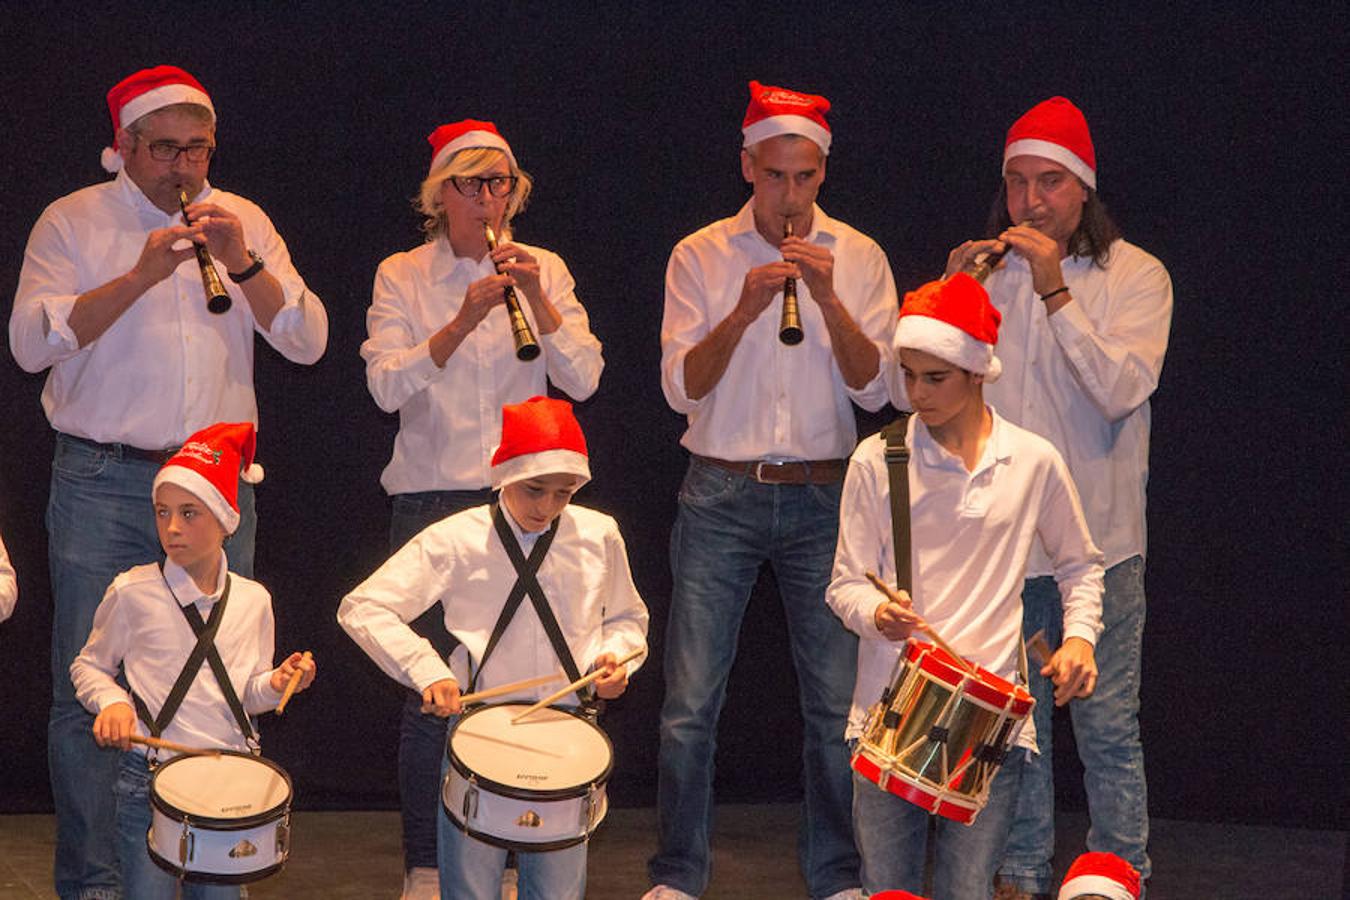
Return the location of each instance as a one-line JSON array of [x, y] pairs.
[[816, 471], [126, 451]]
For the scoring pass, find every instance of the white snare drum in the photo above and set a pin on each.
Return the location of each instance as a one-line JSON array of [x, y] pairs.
[[220, 819], [536, 786]]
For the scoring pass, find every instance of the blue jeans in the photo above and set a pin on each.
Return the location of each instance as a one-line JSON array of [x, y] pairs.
[[421, 738], [142, 879], [100, 522], [1105, 727], [472, 870], [893, 837], [726, 528]]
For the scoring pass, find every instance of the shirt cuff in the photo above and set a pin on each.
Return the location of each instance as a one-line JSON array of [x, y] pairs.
[[1070, 323], [685, 403], [1080, 630], [111, 698], [420, 366], [57, 310], [427, 672]]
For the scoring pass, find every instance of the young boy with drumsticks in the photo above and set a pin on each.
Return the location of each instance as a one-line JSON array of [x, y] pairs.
[[981, 491], [152, 619], [529, 585]]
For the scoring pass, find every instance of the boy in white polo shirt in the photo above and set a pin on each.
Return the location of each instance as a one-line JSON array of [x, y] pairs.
[[469, 563], [981, 491], [150, 621]]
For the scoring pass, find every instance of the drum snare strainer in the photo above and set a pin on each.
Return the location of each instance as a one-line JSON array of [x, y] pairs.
[[220, 819]]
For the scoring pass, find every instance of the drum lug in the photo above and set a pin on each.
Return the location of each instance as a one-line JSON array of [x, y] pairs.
[[471, 800], [588, 809], [284, 837], [187, 845]]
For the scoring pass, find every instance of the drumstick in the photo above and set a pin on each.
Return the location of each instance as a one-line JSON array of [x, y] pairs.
[[521, 685], [577, 685], [172, 747], [293, 683], [1039, 648], [921, 624]]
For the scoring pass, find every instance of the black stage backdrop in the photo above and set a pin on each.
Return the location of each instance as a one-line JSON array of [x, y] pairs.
[[1217, 135]]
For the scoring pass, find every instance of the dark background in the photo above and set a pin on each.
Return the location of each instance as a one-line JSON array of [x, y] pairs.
[[1217, 137]]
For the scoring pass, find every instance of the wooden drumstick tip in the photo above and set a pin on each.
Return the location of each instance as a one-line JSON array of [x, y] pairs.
[[293, 683], [577, 685], [159, 744]]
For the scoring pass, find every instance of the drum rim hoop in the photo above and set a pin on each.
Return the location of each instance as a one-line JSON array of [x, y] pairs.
[[216, 824], [518, 846], [515, 792], [921, 654], [197, 877]]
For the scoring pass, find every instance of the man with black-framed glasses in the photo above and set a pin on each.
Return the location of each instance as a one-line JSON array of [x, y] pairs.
[[111, 301]]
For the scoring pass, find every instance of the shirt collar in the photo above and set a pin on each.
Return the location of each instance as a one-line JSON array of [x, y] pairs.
[[131, 194], [998, 449], [185, 590], [525, 539], [823, 228], [444, 262]]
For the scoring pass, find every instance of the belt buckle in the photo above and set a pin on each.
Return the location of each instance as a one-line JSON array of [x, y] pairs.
[[759, 471]]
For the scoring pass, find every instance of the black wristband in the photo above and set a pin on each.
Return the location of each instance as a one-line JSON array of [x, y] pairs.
[[1043, 296], [250, 271]]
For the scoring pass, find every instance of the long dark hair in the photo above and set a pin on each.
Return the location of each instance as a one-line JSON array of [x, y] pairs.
[[1093, 237]]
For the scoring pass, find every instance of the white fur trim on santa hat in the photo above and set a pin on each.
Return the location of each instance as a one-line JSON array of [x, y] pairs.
[[948, 342], [196, 484], [1095, 884], [1056, 152], [773, 126], [160, 97], [471, 139], [546, 462]]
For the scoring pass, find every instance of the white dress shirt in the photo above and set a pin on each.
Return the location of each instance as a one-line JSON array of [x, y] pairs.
[[166, 367], [141, 626], [460, 563], [9, 585], [450, 419], [971, 532], [773, 401], [1083, 377]]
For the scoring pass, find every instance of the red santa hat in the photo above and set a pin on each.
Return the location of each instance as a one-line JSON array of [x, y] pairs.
[[1056, 130], [448, 140], [539, 437], [953, 320], [210, 465], [776, 110], [1101, 873], [144, 92], [896, 895]]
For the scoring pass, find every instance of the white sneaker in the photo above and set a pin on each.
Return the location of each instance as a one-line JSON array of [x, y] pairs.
[[422, 883], [847, 894], [666, 892]]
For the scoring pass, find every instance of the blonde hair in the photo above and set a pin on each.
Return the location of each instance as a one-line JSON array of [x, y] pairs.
[[466, 163]]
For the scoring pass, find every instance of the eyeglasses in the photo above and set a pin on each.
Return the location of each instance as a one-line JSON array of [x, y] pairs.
[[470, 185], [167, 151]]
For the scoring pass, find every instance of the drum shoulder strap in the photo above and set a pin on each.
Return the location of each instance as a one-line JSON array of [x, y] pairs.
[[204, 650], [897, 467], [527, 584]]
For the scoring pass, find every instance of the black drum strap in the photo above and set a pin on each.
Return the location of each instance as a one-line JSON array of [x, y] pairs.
[[897, 466], [205, 650], [527, 584]]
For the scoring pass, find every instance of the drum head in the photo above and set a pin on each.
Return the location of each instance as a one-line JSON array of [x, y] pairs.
[[552, 750], [230, 789]]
